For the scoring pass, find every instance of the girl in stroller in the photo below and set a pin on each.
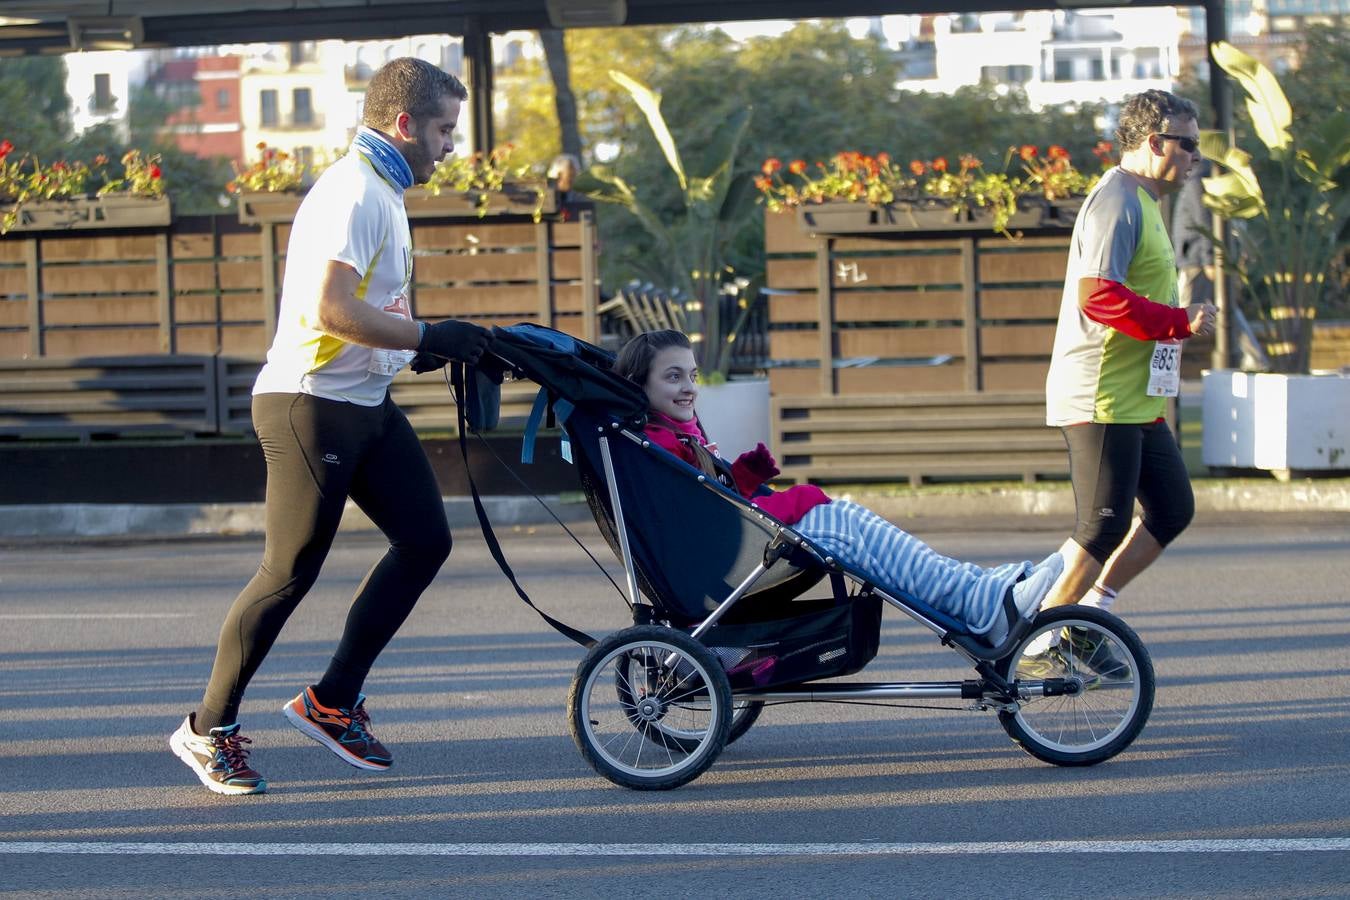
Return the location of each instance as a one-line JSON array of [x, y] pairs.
[[663, 364]]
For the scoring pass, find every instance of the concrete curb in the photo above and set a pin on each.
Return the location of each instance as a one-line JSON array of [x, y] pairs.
[[1041, 506]]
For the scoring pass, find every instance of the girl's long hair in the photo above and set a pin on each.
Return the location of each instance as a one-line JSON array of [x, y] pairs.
[[636, 356]]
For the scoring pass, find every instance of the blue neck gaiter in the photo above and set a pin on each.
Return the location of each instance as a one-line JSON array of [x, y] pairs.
[[384, 156]]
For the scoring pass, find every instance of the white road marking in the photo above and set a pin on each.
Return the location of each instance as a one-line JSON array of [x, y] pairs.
[[95, 615], [1265, 845]]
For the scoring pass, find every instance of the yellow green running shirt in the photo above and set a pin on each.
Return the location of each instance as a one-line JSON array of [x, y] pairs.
[[354, 216], [1098, 374]]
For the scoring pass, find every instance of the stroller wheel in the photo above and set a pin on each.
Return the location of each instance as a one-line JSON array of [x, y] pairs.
[[744, 713], [650, 708], [1084, 699]]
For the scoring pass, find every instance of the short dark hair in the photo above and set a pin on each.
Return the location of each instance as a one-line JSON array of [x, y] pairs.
[[408, 85], [636, 356], [1149, 113]]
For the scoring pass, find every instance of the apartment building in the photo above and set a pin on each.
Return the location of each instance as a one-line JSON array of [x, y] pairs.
[[205, 92]]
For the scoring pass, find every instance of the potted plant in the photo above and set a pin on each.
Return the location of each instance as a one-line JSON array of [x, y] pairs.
[[270, 188], [854, 193], [36, 197], [1289, 214]]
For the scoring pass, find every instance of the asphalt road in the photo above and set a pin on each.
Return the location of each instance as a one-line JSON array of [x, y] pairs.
[[1238, 787]]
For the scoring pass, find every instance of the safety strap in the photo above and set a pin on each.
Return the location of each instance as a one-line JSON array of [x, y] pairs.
[[561, 410], [489, 536]]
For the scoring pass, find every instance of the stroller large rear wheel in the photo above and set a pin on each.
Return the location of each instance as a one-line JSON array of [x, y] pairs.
[[650, 708], [1084, 699]]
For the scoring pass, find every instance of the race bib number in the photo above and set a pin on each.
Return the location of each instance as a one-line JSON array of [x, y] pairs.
[[389, 362], [1164, 370]]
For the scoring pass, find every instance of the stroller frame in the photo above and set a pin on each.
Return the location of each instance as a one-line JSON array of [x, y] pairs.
[[652, 706]]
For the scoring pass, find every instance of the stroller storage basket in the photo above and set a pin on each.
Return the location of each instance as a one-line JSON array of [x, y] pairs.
[[809, 640]]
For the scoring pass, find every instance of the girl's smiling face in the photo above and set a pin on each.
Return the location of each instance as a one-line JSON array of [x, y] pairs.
[[672, 383]]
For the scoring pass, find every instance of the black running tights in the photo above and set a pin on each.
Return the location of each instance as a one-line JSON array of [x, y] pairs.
[[318, 453]]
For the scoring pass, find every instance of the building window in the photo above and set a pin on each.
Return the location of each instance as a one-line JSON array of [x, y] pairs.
[[303, 52], [222, 99], [1096, 71], [103, 101], [1064, 70], [268, 110], [304, 157], [1019, 74], [303, 104]]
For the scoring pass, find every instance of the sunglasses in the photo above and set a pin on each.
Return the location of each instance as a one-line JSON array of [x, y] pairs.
[[1189, 144]]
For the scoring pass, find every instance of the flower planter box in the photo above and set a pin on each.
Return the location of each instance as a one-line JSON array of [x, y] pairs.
[[515, 199], [112, 211], [1287, 424], [864, 218]]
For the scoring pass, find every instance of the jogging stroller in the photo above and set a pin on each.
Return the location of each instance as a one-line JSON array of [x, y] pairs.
[[732, 610]]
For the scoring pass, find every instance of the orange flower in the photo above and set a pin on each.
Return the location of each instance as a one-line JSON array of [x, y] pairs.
[[883, 158], [797, 167], [917, 167], [762, 183], [101, 159], [1028, 152], [771, 165], [940, 164], [1057, 152]]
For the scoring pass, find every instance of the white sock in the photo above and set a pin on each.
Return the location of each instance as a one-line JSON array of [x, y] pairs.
[[1043, 642], [1099, 596]]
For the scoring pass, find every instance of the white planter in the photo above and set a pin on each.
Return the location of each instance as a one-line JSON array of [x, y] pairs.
[[735, 415], [1284, 423]]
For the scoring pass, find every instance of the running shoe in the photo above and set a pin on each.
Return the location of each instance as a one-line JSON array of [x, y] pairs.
[[1049, 663], [220, 758], [344, 731], [1094, 650]]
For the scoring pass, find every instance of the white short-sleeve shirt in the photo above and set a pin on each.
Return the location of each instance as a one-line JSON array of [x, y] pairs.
[[354, 216]]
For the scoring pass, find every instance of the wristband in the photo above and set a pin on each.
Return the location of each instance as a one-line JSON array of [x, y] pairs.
[[421, 331]]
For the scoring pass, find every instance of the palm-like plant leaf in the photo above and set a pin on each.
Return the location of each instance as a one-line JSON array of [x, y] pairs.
[[650, 103], [1269, 107]]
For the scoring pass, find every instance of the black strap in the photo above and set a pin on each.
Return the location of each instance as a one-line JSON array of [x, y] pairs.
[[489, 536]]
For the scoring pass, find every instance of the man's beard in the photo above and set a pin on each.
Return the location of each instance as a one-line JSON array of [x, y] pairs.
[[420, 160]]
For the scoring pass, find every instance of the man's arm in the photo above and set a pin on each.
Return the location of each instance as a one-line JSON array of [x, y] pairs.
[[1112, 304], [345, 317]]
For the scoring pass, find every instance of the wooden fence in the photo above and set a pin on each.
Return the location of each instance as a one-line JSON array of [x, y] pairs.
[[210, 285]]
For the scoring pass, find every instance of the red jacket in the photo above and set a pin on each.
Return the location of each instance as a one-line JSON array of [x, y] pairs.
[[787, 506]]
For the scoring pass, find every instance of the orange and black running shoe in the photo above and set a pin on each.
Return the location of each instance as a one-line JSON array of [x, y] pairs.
[[344, 731], [219, 759]]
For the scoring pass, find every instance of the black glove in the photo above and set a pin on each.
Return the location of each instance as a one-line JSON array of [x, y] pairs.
[[423, 363], [453, 340]]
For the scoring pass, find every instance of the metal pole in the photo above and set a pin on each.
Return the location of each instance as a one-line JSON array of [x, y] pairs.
[[1221, 97], [478, 71]]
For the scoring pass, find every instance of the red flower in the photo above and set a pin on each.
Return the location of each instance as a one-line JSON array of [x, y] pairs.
[[771, 165], [154, 171], [1028, 152], [763, 183], [940, 164], [917, 167], [1057, 152], [5, 149], [101, 159], [58, 167], [797, 167], [883, 159]]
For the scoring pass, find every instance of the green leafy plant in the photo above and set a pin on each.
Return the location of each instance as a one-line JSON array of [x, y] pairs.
[[692, 241], [479, 175], [26, 180], [274, 171], [1288, 207], [964, 188]]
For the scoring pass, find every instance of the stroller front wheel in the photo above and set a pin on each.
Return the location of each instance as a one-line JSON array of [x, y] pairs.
[[650, 708]]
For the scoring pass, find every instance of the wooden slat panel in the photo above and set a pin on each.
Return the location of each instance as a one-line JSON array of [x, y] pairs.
[[996, 303], [466, 236], [244, 275], [100, 279], [244, 244], [782, 235], [1045, 265], [101, 311], [793, 308], [243, 340], [793, 382], [566, 265], [198, 276], [479, 267], [856, 244], [901, 379], [890, 271], [11, 251], [103, 341], [897, 306], [1017, 340], [202, 308], [568, 298], [13, 344], [102, 247], [1015, 376], [794, 345], [184, 246], [14, 312], [501, 299], [791, 273], [13, 281], [565, 234], [899, 342]]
